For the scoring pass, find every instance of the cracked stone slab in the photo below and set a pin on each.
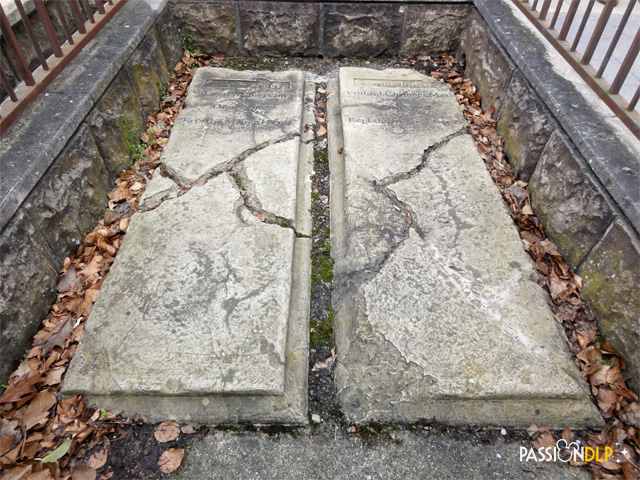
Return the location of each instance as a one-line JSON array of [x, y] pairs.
[[158, 189], [273, 171], [437, 310], [230, 113], [204, 315]]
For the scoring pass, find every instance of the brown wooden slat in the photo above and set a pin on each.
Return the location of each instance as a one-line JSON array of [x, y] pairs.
[[87, 10], [63, 21], [634, 100], [535, 4], [100, 6], [597, 32], [43, 14], [616, 37], [568, 21], [7, 85], [14, 47], [626, 65], [545, 9], [32, 35], [77, 16], [9, 111], [583, 23], [555, 15]]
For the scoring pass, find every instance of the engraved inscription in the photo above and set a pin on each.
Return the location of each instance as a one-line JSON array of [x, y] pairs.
[[230, 125], [226, 83], [367, 82], [392, 94], [248, 88], [236, 122], [402, 121]]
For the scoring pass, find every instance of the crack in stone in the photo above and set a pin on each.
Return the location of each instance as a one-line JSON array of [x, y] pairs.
[[246, 188], [227, 166], [358, 278], [230, 164], [426, 156]]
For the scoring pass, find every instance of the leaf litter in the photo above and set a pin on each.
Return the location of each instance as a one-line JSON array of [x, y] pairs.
[[40, 433]]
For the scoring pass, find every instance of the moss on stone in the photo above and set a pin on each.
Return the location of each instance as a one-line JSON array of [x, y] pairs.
[[325, 266], [321, 156], [131, 138], [322, 330]]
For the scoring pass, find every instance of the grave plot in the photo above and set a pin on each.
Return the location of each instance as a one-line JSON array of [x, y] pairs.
[[437, 309], [204, 314]]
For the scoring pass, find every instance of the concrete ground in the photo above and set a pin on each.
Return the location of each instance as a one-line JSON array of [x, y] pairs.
[[422, 455]]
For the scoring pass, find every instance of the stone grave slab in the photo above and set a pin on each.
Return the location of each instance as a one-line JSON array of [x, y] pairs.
[[437, 310], [204, 315], [230, 114]]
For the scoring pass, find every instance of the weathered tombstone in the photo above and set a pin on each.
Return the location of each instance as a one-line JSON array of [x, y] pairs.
[[437, 309], [204, 315]]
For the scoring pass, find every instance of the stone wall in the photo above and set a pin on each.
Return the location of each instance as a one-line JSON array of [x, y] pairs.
[[590, 217], [70, 195], [342, 29]]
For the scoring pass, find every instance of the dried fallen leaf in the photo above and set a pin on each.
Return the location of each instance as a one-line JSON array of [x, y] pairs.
[[83, 472], [17, 473], [41, 475], [190, 428], [59, 336], [54, 376], [20, 388], [167, 431], [98, 457], [38, 410], [542, 437], [170, 460], [68, 281], [327, 364]]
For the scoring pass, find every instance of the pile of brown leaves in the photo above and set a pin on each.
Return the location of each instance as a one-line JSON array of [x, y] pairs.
[[599, 363], [41, 435]]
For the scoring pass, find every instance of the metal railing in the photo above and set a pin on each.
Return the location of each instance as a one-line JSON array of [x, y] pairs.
[[572, 27], [77, 22]]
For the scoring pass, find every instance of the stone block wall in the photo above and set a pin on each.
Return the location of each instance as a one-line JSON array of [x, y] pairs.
[[341, 29], [71, 194], [595, 233]]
